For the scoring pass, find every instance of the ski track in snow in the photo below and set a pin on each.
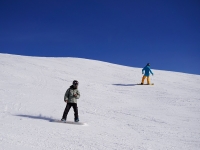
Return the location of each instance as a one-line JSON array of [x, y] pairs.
[[119, 113]]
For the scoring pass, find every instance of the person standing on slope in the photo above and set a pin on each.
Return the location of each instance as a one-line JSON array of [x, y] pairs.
[[146, 71], [70, 97]]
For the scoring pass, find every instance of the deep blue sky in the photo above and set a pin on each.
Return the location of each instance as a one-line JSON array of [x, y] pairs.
[[165, 33]]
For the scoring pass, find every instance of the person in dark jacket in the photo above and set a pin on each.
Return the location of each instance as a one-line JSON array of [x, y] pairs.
[[146, 71], [70, 97]]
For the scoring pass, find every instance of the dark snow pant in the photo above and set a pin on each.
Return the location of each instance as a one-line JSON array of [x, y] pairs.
[[69, 105]]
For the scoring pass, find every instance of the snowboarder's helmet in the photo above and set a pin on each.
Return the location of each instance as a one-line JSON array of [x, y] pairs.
[[75, 83], [148, 64]]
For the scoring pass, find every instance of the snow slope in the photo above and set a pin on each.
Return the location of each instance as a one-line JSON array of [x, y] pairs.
[[120, 114]]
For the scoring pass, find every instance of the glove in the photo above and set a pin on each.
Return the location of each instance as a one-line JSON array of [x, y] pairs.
[[65, 101]]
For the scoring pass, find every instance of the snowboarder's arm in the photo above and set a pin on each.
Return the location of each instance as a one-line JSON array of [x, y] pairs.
[[143, 70], [66, 95], [77, 95], [151, 72]]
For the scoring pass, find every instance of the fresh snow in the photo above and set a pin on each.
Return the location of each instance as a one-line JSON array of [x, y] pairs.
[[119, 114]]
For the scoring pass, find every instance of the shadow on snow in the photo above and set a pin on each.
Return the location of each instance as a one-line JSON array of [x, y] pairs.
[[51, 119], [125, 84], [37, 117]]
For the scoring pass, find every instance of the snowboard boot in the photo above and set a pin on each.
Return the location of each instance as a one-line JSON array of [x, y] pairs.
[[63, 120], [76, 120]]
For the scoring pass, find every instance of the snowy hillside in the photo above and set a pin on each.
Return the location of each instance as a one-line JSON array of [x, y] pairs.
[[119, 114]]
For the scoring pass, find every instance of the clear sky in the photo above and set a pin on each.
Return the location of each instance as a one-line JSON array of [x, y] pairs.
[[165, 33]]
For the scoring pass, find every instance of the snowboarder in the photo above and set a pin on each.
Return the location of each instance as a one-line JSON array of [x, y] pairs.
[[70, 97], [147, 71]]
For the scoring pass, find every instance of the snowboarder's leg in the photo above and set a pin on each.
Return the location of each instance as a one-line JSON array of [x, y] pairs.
[[76, 118], [148, 80], [67, 108], [143, 78]]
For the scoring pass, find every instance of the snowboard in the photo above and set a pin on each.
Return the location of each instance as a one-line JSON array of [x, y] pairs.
[[70, 122], [145, 84]]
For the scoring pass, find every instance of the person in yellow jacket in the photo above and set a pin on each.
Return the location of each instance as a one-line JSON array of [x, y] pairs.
[[146, 71], [70, 97]]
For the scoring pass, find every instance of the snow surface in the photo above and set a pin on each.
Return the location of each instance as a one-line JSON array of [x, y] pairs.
[[119, 114]]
